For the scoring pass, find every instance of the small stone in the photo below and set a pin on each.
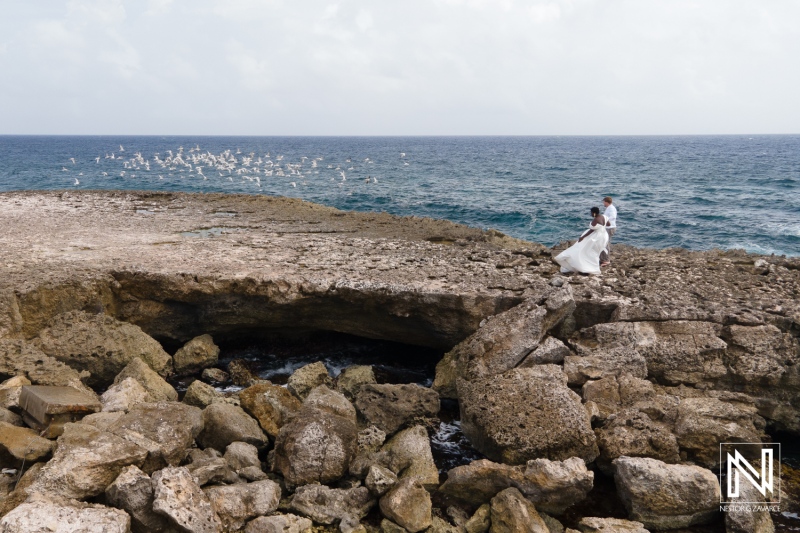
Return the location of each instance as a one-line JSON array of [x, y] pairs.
[[215, 375], [408, 504], [200, 394], [379, 480], [198, 353], [124, 395], [307, 378]]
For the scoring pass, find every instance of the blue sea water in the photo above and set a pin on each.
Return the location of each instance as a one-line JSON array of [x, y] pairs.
[[695, 192]]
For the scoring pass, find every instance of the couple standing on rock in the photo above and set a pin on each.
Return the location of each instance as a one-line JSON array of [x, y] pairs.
[[594, 245]]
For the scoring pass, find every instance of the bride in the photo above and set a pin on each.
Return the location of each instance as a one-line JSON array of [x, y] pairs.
[[584, 255]]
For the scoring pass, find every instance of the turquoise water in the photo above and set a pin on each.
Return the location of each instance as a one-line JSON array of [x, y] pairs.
[[695, 192]]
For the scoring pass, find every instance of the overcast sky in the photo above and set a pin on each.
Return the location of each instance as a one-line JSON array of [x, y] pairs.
[[410, 67]]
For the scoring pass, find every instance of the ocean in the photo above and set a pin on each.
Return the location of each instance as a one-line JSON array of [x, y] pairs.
[[694, 192]]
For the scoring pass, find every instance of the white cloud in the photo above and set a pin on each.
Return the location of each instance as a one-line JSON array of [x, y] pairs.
[[542, 13], [97, 11], [364, 20], [254, 72], [158, 7]]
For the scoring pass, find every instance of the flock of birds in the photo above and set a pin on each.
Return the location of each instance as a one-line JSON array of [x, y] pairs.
[[230, 165]]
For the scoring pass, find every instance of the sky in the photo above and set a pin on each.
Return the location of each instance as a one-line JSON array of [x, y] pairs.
[[410, 67]]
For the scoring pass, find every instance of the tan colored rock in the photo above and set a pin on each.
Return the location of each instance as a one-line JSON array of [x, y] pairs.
[[328, 506], [610, 525], [480, 521], [632, 433], [195, 355], [332, 401], [390, 407], [272, 405], [236, 504], [10, 417], [410, 450], [550, 351], [18, 357], [200, 394], [224, 423], [177, 496], [10, 390], [19, 444], [282, 523], [124, 395], [512, 513], [132, 492], [307, 378], [154, 384], [60, 515], [604, 362], [353, 378], [408, 505]]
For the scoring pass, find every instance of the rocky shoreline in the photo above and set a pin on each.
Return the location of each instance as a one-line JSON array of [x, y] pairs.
[[636, 375]]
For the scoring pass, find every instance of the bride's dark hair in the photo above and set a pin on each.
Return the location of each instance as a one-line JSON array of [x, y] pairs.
[[595, 211]]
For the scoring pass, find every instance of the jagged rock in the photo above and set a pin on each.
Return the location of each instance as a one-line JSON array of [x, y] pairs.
[[502, 341], [19, 358], [252, 473], [124, 395], [100, 344], [195, 355], [370, 439], [408, 505], [159, 389], [200, 394], [215, 375], [663, 496], [315, 447], [379, 480], [10, 390], [282, 523], [178, 497], [236, 504], [19, 444], [165, 429], [550, 485], [332, 401], [632, 433], [325, 505], [439, 525], [307, 378], [550, 423], [757, 355], [208, 466], [132, 492], [550, 351], [46, 513], [86, 462], [10, 417], [409, 452], [241, 455], [512, 513], [610, 525], [553, 525], [225, 423], [351, 524], [389, 407], [740, 519], [705, 422], [102, 420], [241, 374], [601, 363], [352, 378], [272, 405], [480, 521]]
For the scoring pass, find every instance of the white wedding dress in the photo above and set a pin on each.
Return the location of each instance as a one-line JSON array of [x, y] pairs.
[[584, 256]]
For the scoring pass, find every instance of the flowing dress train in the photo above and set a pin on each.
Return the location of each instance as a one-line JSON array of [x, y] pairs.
[[584, 256]]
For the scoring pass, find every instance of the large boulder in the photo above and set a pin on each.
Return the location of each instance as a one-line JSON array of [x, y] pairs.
[[124, 395], [512, 513], [663, 496], [195, 355], [153, 383], [224, 423], [390, 407], [525, 414], [272, 405], [201, 394], [165, 429], [100, 344], [332, 401], [307, 378], [328, 506], [409, 452], [408, 505], [47, 513], [20, 358], [236, 504], [633, 433], [352, 378], [315, 447], [177, 496], [132, 492], [86, 462], [552, 486]]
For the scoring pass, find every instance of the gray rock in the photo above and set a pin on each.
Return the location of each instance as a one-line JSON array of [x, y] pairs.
[[157, 386], [236, 504], [307, 378], [352, 378], [225, 423], [408, 505], [272, 405], [132, 492], [200, 394], [177, 496], [550, 423], [379, 480], [46, 513], [332, 401], [282, 523], [124, 395], [512, 513], [325, 505], [252, 473], [241, 455], [663, 496], [390, 407], [610, 525], [208, 466], [198, 353]]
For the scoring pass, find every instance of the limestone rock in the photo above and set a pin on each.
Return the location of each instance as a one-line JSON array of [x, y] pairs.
[[389, 407], [100, 344], [10, 390], [208, 466], [19, 358], [157, 386], [18, 444], [45, 513], [215, 375], [241, 374], [550, 351], [86, 462], [409, 452], [663, 496], [236, 504], [240, 455], [480, 521], [272, 405], [315, 447], [165, 429], [132, 492], [102, 420], [601, 363], [632, 433], [757, 355], [307, 378], [200, 394], [124, 395], [739, 519], [178, 497], [408, 505], [10, 417], [610, 525], [252, 473], [282, 523], [332, 401], [550, 423], [552, 486], [352, 378], [379, 480], [512, 513], [225, 423], [325, 505], [198, 353]]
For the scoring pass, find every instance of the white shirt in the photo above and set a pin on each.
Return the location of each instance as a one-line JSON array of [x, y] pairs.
[[611, 213]]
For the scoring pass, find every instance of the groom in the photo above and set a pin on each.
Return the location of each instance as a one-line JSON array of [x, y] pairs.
[[611, 214]]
